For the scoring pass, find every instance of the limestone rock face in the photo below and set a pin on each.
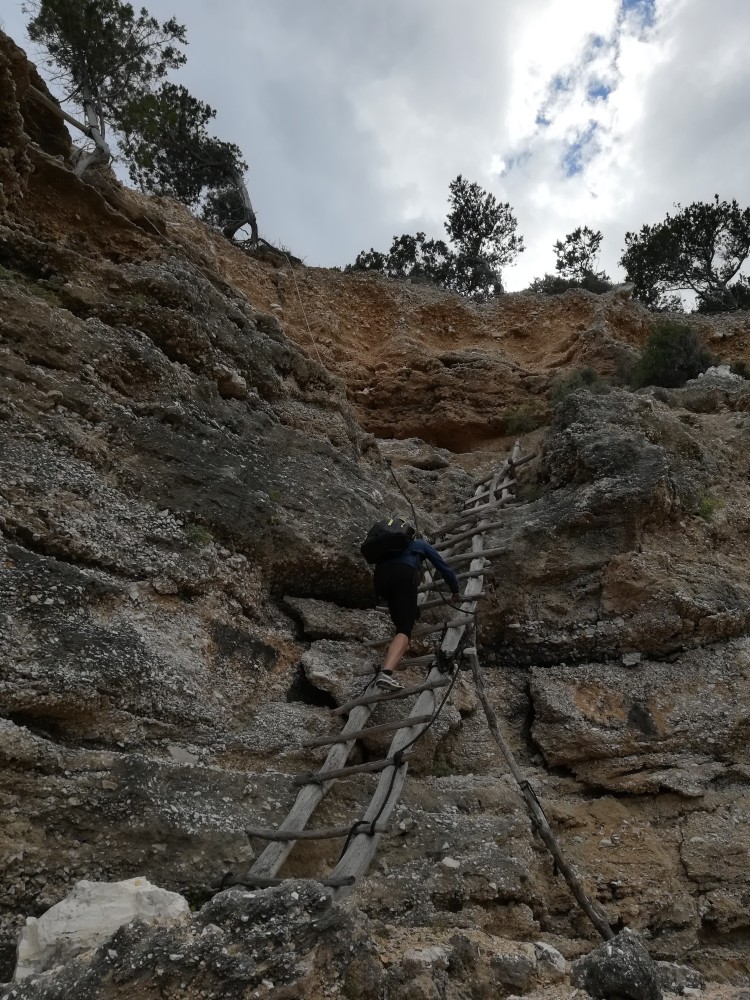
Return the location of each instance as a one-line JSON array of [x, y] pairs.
[[613, 556], [88, 916], [656, 727], [14, 162], [186, 472]]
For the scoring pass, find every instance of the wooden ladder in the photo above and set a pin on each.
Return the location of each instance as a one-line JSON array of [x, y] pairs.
[[480, 514]]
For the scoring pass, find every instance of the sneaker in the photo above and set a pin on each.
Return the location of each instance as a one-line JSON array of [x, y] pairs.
[[386, 682]]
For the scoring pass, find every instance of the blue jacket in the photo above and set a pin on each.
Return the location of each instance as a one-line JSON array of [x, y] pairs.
[[419, 550]]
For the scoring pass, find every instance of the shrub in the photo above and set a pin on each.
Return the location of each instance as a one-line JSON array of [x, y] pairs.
[[586, 378], [736, 296], [198, 534], [740, 368], [524, 419], [554, 284], [672, 354], [708, 506], [49, 295]]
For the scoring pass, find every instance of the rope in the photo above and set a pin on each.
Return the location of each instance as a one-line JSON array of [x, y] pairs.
[[302, 307], [405, 495]]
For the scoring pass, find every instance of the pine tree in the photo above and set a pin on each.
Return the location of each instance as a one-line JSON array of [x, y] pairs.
[[113, 63], [700, 249], [103, 54], [483, 237]]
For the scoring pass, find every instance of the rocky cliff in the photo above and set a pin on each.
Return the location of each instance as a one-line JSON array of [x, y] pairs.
[[192, 442]]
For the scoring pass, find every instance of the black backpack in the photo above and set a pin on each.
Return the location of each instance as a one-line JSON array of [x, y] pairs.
[[386, 539]]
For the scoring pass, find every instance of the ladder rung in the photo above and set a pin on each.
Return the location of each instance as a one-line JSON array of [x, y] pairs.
[[408, 661], [471, 556], [268, 882], [473, 515], [438, 601], [386, 727], [343, 772], [502, 471], [505, 467], [371, 699], [422, 631], [505, 485], [469, 533], [425, 588], [328, 833]]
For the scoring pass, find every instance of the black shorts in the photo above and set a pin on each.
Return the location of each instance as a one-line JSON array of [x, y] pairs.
[[397, 584]]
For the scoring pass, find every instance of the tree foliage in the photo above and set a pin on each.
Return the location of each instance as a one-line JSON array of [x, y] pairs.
[[554, 284], [113, 63], [169, 151], [105, 48], [483, 232], [483, 240], [413, 257], [672, 354], [584, 378], [577, 255], [701, 249]]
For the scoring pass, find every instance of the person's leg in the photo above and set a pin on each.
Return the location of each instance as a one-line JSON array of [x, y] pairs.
[[397, 584], [399, 645], [402, 605]]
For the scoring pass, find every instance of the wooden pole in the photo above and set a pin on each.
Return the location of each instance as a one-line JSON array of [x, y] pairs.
[[371, 699], [423, 630], [370, 768], [56, 109], [497, 473], [477, 529], [408, 661], [471, 515], [386, 727], [438, 602], [506, 484], [327, 833], [469, 557], [513, 464], [592, 911], [437, 584], [308, 798]]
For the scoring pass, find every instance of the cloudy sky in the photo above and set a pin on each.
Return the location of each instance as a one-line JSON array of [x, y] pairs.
[[356, 114]]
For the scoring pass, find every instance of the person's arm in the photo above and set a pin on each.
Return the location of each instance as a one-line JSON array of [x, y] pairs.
[[440, 565]]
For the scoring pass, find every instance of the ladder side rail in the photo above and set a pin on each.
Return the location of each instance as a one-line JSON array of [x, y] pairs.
[[363, 846], [309, 797]]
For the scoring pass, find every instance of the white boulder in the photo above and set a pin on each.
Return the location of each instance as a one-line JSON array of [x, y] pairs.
[[87, 917]]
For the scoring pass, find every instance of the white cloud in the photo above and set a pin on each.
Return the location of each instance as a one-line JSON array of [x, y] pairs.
[[355, 117]]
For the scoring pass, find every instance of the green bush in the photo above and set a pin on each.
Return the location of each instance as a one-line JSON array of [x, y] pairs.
[[672, 354], [524, 419], [708, 506], [740, 368], [586, 378], [555, 284], [198, 535]]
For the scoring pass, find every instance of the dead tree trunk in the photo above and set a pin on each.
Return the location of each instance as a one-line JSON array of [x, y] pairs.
[[101, 153], [238, 182]]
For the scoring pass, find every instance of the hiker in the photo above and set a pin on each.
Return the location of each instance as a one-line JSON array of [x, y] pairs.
[[398, 555]]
